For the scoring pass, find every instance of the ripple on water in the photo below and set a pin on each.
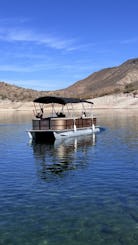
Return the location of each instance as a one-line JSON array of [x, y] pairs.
[[83, 191]]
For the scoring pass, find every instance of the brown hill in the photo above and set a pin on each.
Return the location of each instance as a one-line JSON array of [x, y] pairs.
[[123, 78], [16, 93]]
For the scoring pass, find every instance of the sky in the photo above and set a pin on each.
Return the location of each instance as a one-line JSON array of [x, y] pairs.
[[51, 44]]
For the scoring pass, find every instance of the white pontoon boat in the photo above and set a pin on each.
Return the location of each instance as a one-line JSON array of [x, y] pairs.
[[68, 121]]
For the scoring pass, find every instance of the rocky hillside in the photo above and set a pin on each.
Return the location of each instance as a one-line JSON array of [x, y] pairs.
[[123, 78], [15, 93]]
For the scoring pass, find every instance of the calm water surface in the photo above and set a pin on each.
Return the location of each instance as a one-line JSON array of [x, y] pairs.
[[82, 191]]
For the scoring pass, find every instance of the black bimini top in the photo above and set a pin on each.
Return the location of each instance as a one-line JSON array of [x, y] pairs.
[[59, 100]]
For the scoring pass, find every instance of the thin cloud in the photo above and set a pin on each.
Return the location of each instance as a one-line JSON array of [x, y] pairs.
[[41, 85], [129, 41], [75, 67], [30, 68], [14, 21], [12, 68], [23, 35]]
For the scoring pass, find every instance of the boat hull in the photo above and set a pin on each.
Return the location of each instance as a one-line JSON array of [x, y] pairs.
[[78, 132], [51, 135]]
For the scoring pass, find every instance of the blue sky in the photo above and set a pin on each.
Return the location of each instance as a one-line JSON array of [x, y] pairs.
[[51, 44]]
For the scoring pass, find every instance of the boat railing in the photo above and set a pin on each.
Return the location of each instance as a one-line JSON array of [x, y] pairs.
[[58, 123]]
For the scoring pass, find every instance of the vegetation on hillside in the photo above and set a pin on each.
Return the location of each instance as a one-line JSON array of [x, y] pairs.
[[123, 78], [15, 93]]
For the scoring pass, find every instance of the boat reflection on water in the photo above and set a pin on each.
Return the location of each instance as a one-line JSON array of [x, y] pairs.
[[68, 154]]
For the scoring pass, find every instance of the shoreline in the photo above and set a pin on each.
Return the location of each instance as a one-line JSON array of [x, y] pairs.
[[116, 101]]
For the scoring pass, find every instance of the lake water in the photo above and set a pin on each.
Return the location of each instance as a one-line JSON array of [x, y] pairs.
[[82, 191]]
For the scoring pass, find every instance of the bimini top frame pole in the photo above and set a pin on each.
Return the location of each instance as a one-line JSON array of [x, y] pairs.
[[62, 101]]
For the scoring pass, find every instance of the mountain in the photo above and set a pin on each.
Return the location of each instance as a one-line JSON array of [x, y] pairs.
[[123, 78], [16, 93]]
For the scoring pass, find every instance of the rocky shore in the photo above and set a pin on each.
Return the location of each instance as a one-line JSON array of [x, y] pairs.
[[116, 101]]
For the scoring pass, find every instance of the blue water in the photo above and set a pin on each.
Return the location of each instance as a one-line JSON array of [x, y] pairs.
[[82, 191]]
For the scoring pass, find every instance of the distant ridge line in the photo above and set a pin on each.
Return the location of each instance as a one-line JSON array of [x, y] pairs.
[[119, 79]]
